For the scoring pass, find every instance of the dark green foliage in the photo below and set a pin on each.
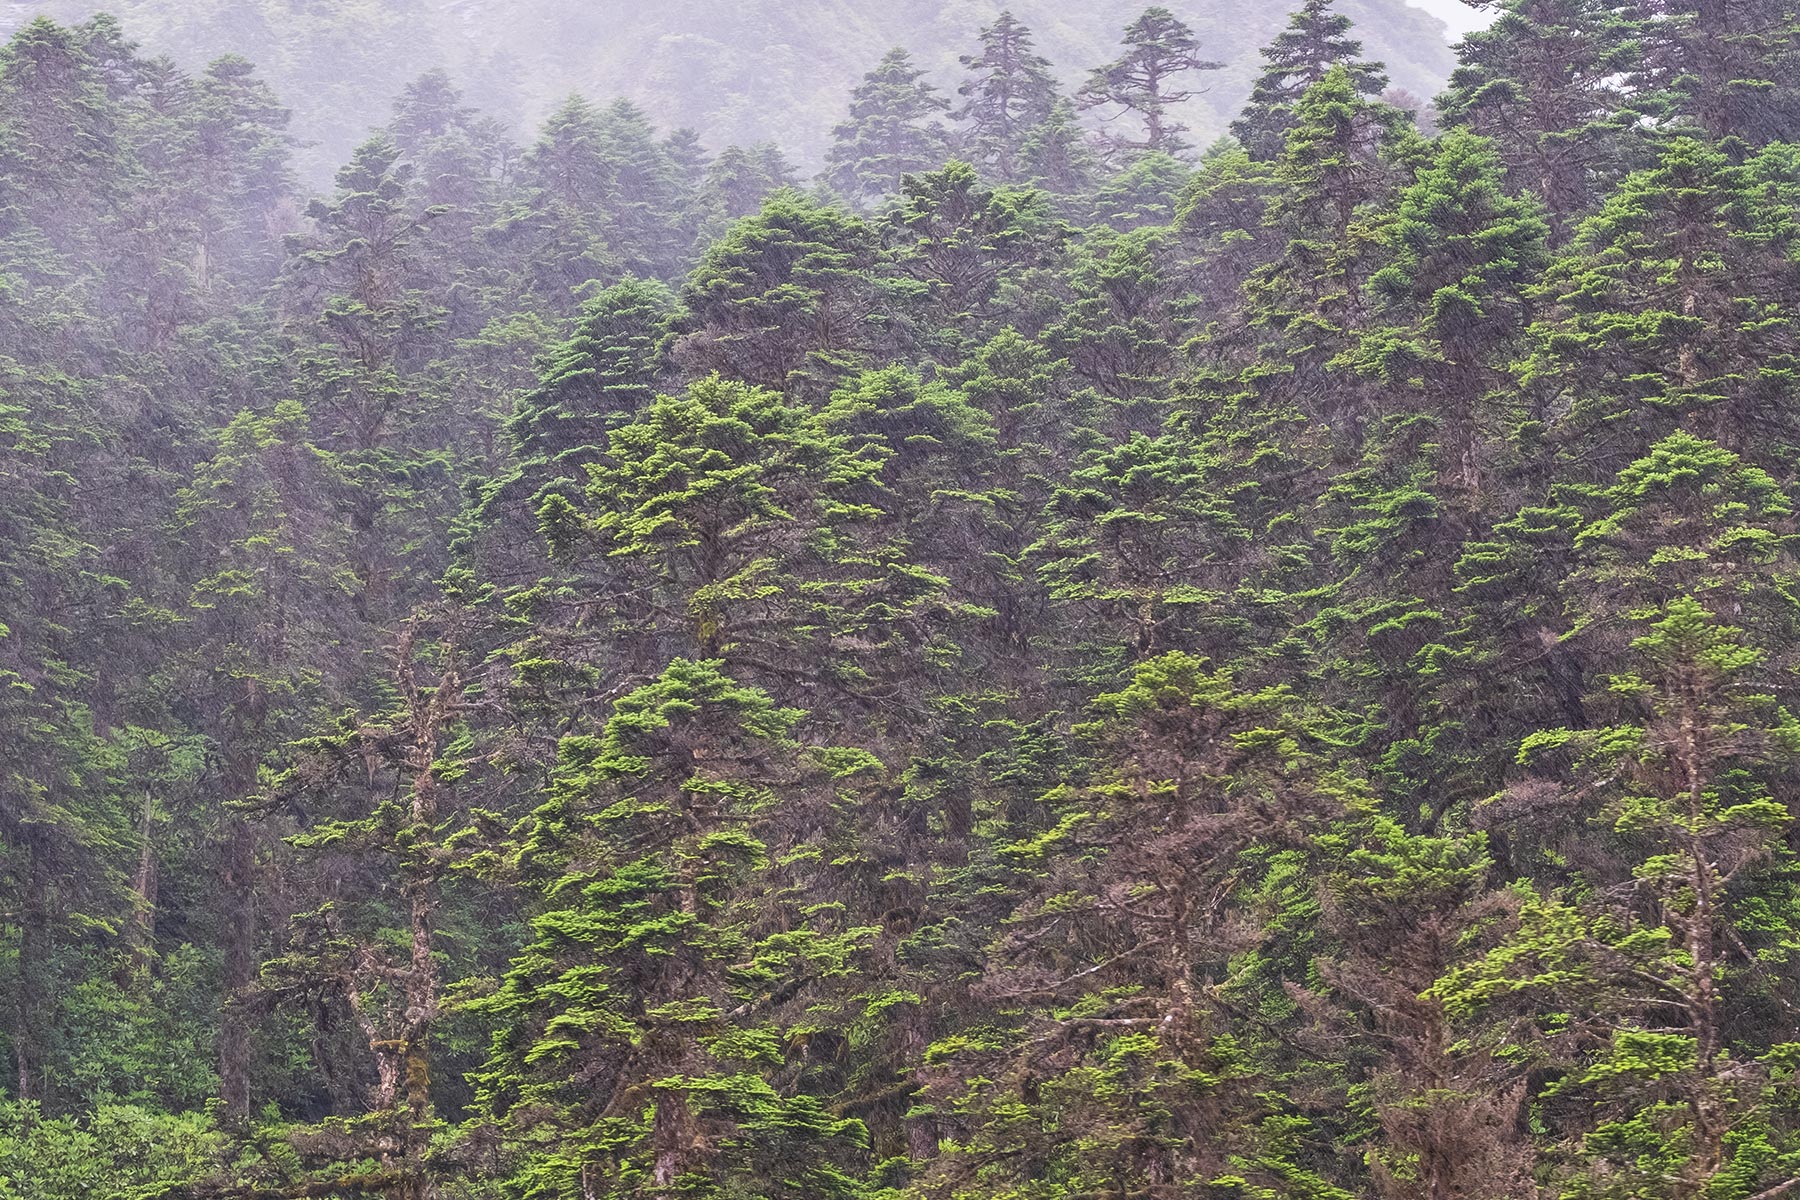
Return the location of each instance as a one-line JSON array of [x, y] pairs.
[[790, 296], [574, 668], [892, 131], [1546, 82], [1009, 93]]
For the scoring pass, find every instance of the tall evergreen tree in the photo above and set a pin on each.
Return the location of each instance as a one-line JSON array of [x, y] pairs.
[[1055, 155], [1009, 93], [1547, 82], [1315, 41], [891, 131], [791, 297], [1141, 83]]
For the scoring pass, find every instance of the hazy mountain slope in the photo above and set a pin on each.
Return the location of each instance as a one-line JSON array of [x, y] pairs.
[[761, 69]]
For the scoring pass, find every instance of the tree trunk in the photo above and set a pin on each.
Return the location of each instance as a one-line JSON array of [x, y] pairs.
[[239, 942], [141, 933], [32, 996]]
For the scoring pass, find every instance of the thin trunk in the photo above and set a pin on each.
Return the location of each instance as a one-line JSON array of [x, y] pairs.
[[921, 1132], [670, 1133], [1712, 44], [33, 990], [239, 943], [141, 934]]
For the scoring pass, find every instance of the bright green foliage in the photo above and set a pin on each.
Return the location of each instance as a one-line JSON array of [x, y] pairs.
[[119, 1150], [1690, 518], [1106, 1054], [1682, 781], [1117, 529], [1649, 327], [970, 246], [789, 298], [574, 669], [646, 1025], [705, 517], [1314, 42]]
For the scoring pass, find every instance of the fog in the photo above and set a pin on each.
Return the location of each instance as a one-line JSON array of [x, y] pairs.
[[735, 71]]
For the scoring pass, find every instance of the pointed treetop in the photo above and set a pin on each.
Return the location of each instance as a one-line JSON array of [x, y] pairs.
[[1009, 92], [892, 130], [1316, 40]]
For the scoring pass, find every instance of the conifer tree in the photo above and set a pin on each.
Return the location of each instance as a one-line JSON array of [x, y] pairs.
[[1106, 1074], [241, 168], [1722, 67], [362, 315], [1647, 319], [672, 960], [1314, 42], [62, 129], [1055, 154], [1465, 254], [892, 131], [556, 228], [380, 789], [607, 372], [793, 297], [265, 588], [965, 242], [1142, 83], [702, 523], [1343, 160], [64, 833], [1546, 82], [647, 197], [739, 180], [1682, 777], [1009, 93]]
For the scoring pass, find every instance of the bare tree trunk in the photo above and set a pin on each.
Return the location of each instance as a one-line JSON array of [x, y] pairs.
[[33, 993], [239, 942], [141, 934]]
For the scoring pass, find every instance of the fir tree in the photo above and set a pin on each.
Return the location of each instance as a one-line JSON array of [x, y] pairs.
[[1159, 50], [556, 226], [1546, 82], [891, 131], [1010, 92], [1055, 155], [665, 856], [1314, 42], [744, 301]]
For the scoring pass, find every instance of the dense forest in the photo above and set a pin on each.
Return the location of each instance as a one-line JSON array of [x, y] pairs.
[[1046, 655], [736, 71]]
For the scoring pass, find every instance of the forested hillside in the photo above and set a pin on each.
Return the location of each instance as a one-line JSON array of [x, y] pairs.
[[1057, 658], [737, 71]]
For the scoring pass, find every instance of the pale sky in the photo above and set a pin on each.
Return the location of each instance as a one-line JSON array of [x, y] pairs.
[[1454, 13]]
